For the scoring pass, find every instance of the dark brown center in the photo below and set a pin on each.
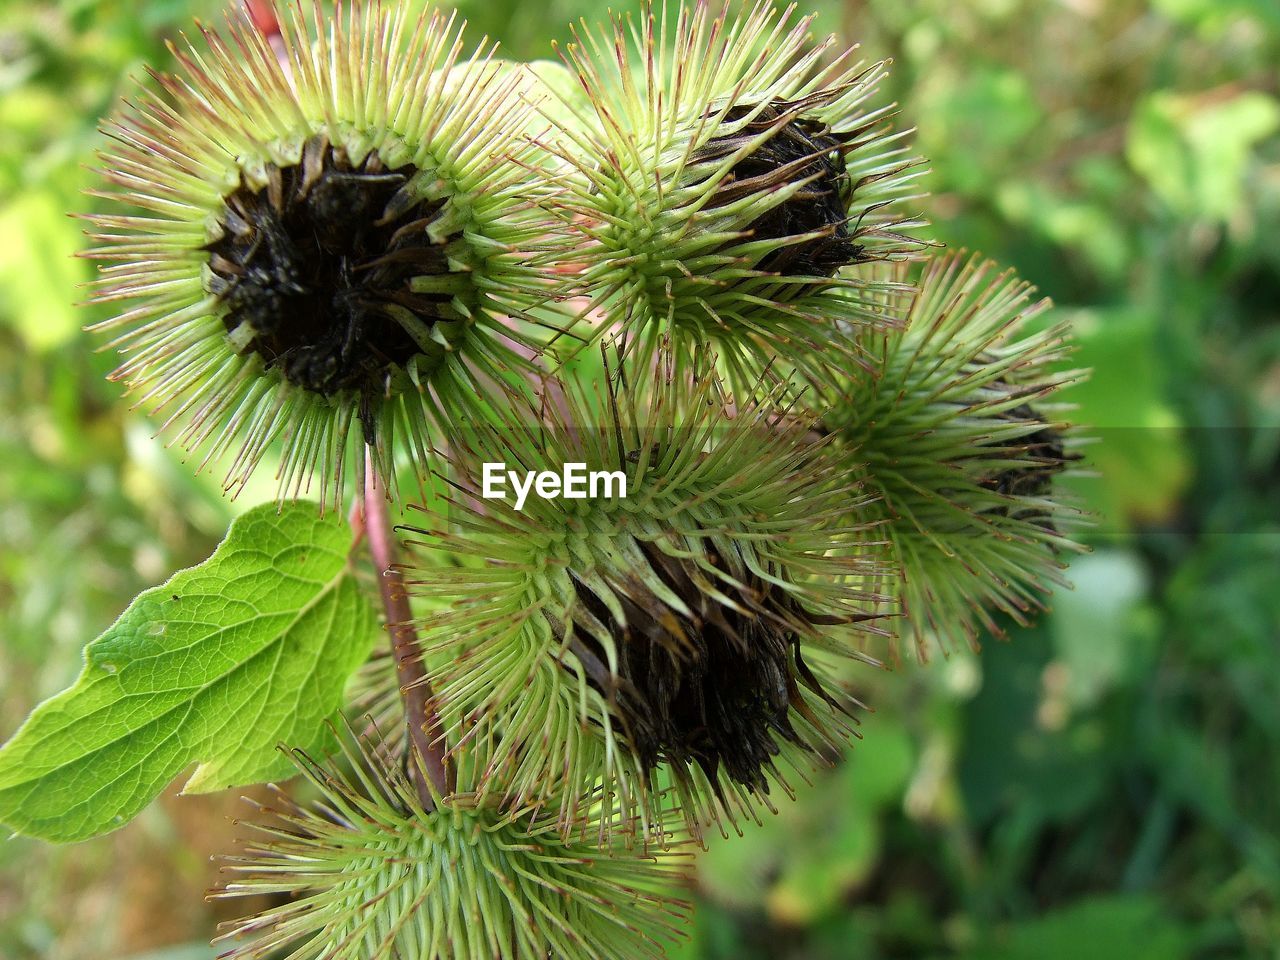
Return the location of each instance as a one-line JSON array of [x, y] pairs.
[[1045, 457], [318, 265], [713, 688], [800, 150], [1044, 452]]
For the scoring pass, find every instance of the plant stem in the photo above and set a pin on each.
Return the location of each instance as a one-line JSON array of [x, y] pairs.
[[426, 733]]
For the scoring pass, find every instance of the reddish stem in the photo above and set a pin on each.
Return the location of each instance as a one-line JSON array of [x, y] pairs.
[[262, 13], [426, 733]]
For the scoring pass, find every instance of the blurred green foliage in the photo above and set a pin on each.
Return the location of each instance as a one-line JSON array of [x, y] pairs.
[[1104, 784]]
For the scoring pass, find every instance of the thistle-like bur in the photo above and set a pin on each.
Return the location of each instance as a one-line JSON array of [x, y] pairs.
[[333, 249], [730, 179], [956, 431], [604, 648], [368, 874]]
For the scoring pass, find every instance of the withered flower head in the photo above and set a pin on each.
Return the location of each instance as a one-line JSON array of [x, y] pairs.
[[316, 271], [811, 229], [598, 649], [334, 239], [704, 681], [1044, 455], [955, 430]]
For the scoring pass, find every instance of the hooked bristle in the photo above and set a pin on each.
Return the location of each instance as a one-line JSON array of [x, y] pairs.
[[367, 874]]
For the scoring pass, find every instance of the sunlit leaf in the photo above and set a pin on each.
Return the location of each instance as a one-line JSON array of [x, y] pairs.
[[1194, 150], [217, 666], [1140, 453]]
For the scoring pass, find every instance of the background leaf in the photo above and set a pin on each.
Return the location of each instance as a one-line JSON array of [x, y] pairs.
[[220, 664], [1120, 928]]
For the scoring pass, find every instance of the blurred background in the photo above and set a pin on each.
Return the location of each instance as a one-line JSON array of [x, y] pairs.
[[1104, 784]]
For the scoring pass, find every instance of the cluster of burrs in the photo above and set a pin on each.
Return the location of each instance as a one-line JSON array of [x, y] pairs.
[[684, 254]]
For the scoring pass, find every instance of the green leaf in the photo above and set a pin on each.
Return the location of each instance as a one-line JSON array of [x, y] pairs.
[[229, 658], [1195, 151], [1140, 451], [1113, 928], [1103, 631]]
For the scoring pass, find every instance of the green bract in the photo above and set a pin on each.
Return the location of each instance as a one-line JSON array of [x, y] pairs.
[[955, 431], [371, 875], [730, 179], [683, 628], [335, 242]]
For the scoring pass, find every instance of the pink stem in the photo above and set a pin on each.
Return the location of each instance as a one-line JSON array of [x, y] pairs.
[[426, 732]]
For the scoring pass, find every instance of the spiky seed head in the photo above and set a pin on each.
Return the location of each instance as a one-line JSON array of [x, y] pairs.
[[730, 179], [957, 432], [334, 236], [605, 648], [369, 874]]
